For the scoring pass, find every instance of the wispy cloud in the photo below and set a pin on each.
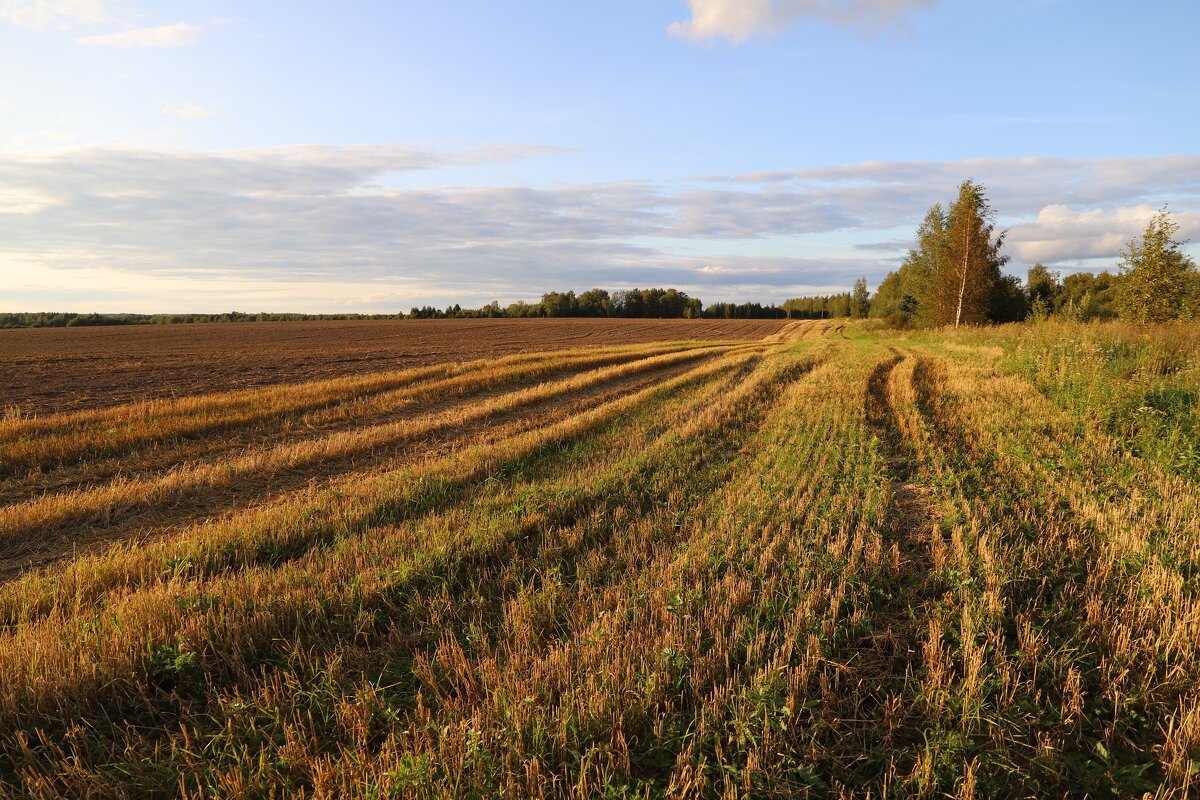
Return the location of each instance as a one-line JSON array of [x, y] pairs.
[[177, 35], [43, 140], [739, 20], [1041, 119], [890, 246], [188, 111], [35, 14]]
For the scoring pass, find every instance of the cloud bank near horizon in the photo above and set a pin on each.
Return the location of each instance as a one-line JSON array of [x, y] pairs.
[[319, 214]]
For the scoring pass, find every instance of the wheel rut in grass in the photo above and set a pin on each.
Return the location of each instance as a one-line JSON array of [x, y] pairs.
[[887, 660], [1053, 526], [901, 454], [163, 512]]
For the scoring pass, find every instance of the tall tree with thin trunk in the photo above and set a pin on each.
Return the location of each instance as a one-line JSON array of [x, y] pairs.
[[967, 274]]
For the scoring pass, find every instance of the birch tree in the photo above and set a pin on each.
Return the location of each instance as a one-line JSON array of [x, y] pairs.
[[967, 273]]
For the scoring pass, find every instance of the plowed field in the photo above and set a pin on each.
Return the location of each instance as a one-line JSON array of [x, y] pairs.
[[823, 563], [60, 369]]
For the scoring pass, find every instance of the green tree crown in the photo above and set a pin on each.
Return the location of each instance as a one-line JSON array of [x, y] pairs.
[[1158, 282]]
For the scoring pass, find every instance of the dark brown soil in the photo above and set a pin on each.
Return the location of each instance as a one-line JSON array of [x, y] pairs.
[[69, 369]]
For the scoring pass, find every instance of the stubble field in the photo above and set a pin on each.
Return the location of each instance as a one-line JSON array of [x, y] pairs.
[[818, 562]]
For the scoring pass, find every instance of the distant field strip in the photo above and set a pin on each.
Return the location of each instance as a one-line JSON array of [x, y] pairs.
[[820, 563]]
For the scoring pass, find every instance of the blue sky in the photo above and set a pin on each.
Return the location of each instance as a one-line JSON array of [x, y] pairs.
[[368, 156]]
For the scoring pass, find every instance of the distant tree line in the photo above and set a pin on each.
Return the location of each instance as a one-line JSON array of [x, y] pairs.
[[745, 311], [638, 303], [626, 303], [52, 319], [846, 304]]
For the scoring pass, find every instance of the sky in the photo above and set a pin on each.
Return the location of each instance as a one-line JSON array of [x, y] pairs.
[[369, 156]]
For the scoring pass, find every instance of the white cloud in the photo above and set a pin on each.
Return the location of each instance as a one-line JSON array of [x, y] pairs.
[[189, 111], [177, 35], [1061, 234], [22, 202], [35, 14], [736, 19], [739, 20], [43, 140], [718, 269]]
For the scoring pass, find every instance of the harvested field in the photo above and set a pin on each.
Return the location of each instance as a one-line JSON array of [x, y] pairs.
[[68, 369], [822, 563]]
